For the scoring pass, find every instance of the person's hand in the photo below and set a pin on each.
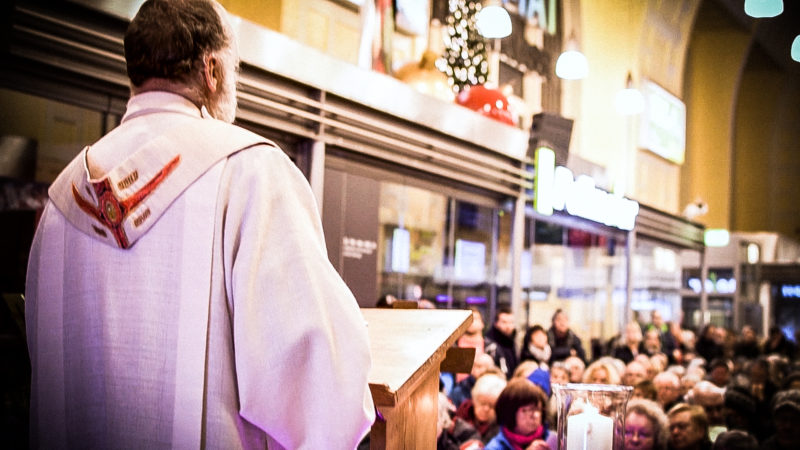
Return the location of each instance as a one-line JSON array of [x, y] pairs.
[[538, 445]]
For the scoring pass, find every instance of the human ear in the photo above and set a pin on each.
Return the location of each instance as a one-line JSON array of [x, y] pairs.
[[211, 73]]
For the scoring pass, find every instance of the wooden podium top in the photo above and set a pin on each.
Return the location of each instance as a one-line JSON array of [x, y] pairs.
[[407, 343]]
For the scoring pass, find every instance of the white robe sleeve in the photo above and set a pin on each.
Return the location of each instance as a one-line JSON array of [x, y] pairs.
[[300, 341]]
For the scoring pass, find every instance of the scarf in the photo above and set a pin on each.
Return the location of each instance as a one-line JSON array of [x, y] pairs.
[[541, 354], [519, 441]]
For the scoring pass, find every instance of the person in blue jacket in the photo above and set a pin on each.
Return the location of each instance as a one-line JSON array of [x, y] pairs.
[[520, 410]]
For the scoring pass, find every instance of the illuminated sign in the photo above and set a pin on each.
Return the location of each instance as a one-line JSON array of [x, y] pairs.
[[357, 248], [579, 197], [663, 127], [545, 160], [719, 286], [470, 261], [716, 237], [401, 250], [790, 291], [556, 188]]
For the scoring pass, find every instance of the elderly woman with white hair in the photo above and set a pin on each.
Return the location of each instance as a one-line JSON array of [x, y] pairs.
[[646, 426], [479, 410]]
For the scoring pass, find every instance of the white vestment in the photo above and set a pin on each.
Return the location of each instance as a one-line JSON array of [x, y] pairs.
[[181, 297]]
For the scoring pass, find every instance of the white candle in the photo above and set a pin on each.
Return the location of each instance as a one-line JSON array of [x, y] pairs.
[[590, 430]]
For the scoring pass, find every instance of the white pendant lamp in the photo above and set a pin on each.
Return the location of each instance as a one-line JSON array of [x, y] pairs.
[[493, 21], [763, 8], [572, 64], [796, 48], [629, 101]]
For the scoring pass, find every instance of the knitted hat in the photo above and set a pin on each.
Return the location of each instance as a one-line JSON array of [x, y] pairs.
[[541, 378]]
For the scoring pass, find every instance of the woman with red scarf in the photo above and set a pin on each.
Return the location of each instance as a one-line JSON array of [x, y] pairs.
[[519, 411]]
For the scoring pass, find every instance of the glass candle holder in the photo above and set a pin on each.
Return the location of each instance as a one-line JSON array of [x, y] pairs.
[[591, 416]]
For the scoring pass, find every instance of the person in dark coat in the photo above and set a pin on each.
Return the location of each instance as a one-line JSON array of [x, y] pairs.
[[707, 346], [563, 341], [500, 343], [746, 345], [786, 415], [777, 343], [762, 390], [453, 432], [631, 345]]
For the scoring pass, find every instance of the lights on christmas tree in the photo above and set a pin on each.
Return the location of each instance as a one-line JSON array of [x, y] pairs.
[[465, 59]]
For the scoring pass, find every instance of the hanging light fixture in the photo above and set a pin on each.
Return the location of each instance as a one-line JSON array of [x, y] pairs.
[[630, 100], [763, 8], [493, 21], [796, 48], [572, 64]]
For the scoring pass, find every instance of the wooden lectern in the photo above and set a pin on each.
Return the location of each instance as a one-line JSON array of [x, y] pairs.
[[408, 346]]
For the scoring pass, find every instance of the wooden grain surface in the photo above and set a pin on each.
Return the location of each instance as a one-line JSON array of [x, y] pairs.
[[406, 343]]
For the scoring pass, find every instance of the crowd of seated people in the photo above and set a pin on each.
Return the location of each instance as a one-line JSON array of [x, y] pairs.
[[718, 391]]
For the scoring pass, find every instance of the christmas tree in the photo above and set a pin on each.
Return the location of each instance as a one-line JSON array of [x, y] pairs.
[[465, 59]]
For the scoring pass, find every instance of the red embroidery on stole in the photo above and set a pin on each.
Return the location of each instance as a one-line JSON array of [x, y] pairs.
[[112, 211]]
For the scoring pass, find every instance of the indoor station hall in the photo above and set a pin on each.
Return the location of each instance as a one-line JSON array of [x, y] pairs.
[[577, 193]]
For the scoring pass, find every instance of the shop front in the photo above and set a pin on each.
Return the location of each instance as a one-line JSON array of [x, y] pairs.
[[603, 259]]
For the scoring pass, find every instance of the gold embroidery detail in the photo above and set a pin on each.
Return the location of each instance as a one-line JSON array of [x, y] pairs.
[[129, 180], [111, 211], [138, 221]]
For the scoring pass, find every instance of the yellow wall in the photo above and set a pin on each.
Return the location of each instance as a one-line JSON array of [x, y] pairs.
[[324, 25], [715, 59], [266, 14], [751, 166], [649, 40], [767, 153], [610, 33]]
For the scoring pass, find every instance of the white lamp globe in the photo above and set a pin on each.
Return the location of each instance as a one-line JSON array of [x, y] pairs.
[[493, 22], [572, 65]]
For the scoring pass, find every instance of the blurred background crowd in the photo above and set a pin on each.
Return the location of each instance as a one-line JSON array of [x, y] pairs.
[[713, 388]]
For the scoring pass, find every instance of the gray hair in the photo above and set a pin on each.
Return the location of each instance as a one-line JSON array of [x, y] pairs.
[[667, 377], [656, 415], [489, 384], [168, 39]]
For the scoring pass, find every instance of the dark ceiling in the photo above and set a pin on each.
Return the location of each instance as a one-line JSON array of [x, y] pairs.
[[774, 35]]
